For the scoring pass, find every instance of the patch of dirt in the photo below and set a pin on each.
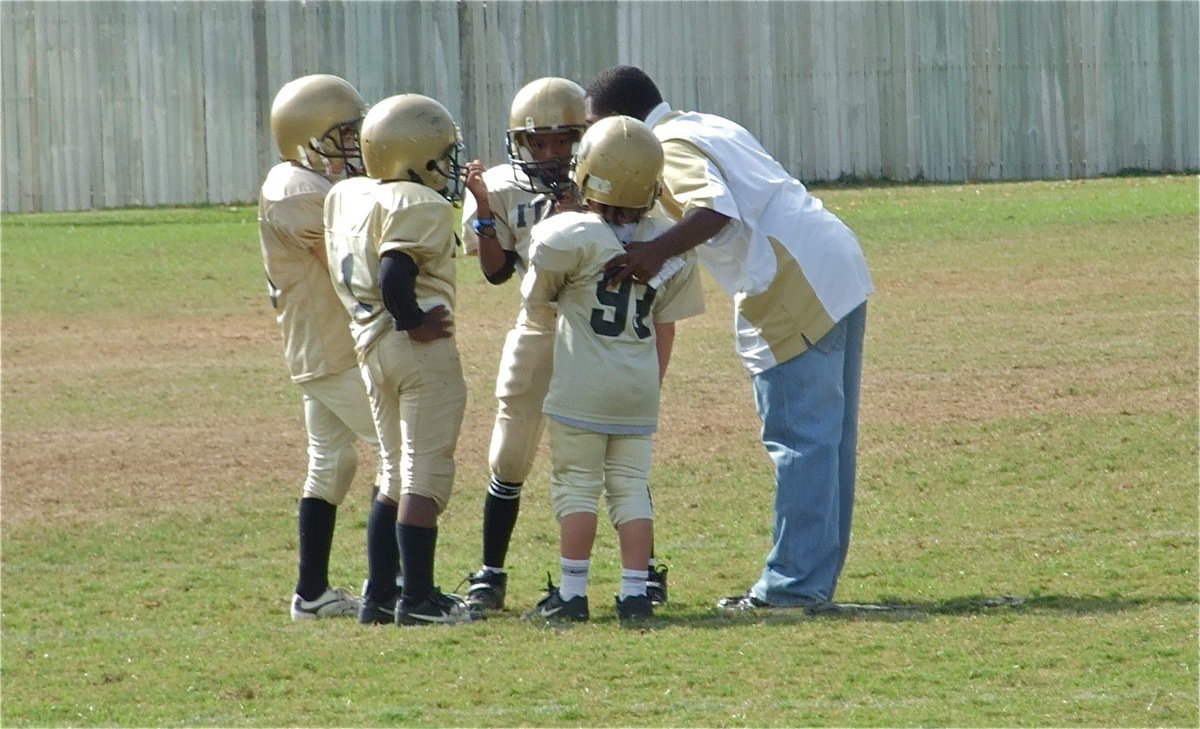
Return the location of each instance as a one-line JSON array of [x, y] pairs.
[[54, 466]]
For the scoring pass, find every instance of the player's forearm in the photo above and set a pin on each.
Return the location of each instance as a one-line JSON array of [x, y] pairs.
[[397, 283], [496, 263]]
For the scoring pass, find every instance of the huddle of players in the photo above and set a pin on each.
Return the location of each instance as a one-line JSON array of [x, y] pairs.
[[583, 361]]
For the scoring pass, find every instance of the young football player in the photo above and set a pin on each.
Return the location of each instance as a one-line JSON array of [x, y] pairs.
[[390, 240], [546, 121], [315, 121], [602, 404]]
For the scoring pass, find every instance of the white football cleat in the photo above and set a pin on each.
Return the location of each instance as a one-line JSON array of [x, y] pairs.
[[333, 603]]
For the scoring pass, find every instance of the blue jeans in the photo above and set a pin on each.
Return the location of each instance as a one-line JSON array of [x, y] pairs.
[[809, 411]]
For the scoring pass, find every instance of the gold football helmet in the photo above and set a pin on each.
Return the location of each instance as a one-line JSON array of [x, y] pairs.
[[619, 163], [315, 119], [548, 105], [413, 137]]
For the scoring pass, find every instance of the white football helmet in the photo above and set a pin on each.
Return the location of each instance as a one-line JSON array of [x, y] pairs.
[[413, 137], [546, 106], [619, 163], [315, 119]]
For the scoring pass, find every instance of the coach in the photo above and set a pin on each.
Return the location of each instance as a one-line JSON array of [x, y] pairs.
[[799, 284]]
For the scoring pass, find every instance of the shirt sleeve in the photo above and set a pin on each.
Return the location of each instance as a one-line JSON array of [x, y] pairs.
[[550, 268], [300, 218], [692, 180], [419, 230]]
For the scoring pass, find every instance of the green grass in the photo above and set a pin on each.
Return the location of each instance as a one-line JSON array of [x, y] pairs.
[[1028, 492]]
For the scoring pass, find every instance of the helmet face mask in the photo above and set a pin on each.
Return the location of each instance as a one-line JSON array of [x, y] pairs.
[[449, 167], [315, 121], [547, 115], [619, 164], [339, 142], [413, 138], [541, 158]]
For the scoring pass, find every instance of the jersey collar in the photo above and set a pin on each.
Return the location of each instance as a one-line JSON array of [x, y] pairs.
[[657, 113]]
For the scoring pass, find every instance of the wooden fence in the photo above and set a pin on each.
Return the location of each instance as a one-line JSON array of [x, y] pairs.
[[109, 104]]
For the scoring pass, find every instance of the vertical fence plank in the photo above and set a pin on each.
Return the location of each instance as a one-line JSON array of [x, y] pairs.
[[143, 103]]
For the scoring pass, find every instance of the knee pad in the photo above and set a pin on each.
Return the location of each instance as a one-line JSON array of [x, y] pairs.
[[574, 499], [628, 499], [330, 474], [515, 439]]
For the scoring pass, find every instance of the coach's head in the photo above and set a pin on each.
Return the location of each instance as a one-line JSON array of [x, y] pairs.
[[625, 90]]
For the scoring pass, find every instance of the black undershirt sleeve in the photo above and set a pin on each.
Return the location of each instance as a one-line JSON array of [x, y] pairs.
[[398, 284], [506, 271]]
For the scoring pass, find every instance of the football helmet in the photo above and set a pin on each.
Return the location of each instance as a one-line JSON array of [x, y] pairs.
[[315, 119], [413, 137], [548, 105], [619, 163]]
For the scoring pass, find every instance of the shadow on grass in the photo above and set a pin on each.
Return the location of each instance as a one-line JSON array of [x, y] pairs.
[[899, 610]]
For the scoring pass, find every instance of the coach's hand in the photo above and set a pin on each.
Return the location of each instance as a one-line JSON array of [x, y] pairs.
[[436, 324], [641, 261]]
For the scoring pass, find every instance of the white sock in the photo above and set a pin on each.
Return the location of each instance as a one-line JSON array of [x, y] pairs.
[[493, 570], [574, 577], [633, 583]]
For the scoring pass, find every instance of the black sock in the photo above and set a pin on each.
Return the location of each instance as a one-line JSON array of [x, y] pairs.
[[417, 548], [316, 522], [382, 552], [500, 510], [374, 498]]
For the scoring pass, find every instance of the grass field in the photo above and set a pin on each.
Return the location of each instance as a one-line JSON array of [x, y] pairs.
[[1027, 493]]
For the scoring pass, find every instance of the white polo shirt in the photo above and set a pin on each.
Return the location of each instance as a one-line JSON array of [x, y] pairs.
[[792, 267]]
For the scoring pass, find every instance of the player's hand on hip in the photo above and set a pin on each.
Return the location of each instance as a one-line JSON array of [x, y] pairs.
[[437, 324]]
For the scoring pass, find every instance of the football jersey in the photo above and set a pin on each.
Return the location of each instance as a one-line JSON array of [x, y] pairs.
[[316, 339], [365, 219], [515, 211], [605, 363], [792, 268]]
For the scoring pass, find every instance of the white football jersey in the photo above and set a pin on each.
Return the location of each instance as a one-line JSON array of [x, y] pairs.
[[792, 268], [515, 211], [316, 338], [364, 219], [605, 363]]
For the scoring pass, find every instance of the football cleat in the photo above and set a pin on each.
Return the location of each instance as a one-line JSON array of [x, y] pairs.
[[487, 590], [377, 613], [553, 607], [399, 585], [436, 608], [332, 603], [740, 603], [656, 585], [634, 607]]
